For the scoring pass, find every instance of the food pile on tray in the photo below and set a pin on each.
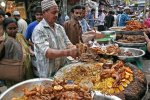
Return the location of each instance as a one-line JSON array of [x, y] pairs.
[[57, 90], [107, 78], [98, 71], [130, 38], [96, 53], [134, 25]]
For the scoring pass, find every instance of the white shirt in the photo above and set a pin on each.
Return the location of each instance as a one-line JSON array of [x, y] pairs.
[[45, 37], [101, 19], [22, 26], [115, 22]]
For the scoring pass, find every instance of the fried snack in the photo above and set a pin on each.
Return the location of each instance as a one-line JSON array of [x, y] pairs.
[[134, 25], [109, 79], [56, 91], [82, 48], [108, 50], [132, 39]]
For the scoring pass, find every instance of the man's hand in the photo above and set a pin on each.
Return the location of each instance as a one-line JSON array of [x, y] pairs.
[[148, 46], [147, 30], [72, 52], [70, 46], [146, 38]]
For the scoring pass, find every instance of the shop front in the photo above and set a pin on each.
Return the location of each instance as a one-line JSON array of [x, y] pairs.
[[12, 5]]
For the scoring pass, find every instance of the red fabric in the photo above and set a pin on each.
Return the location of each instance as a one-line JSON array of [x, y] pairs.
[[147, 22]]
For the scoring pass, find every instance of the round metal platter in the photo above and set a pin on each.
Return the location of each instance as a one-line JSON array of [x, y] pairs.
[[130, 44], [136, 53], [17, 90], [96, 94]]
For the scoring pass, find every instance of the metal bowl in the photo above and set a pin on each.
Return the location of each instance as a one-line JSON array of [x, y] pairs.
[[116, 28], [137, 53], [17, 90], [108, 32]]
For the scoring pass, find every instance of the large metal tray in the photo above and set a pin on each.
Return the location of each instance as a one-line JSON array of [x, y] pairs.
[[96, 94], [130, 44], [17, 90], [137, 53], [130, 32]]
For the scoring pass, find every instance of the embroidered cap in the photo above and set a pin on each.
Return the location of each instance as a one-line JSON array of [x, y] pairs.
[[46, 4]]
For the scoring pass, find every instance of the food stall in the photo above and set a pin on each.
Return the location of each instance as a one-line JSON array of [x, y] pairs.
[[101, 71], [98, 73], [12, 6]]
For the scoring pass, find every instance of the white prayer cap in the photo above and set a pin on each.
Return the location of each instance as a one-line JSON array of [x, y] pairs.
[[125, 8], [46, 4], [16, 13]]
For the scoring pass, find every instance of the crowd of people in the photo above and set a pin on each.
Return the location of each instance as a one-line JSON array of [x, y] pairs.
[[43, 45]]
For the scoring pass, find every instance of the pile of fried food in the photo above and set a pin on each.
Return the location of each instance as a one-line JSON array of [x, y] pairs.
[[134, 25], [56, 91], [107, 50], [91, 54], [106, 78], [131, 38]]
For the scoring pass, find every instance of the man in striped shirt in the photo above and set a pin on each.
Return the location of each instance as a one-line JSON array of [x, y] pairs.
[[51, 44]]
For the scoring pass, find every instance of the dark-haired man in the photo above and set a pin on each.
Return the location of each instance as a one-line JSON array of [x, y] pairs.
[[72, 26], [51, 44], [39, 16], [31, 26]]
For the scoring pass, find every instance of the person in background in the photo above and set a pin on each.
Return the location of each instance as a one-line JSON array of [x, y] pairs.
[[62, 18], [124, 17], [22, 24], [118, 17], [8, 14], [109, 20], [101, 19], [3, 36], [31, 26], [147, 38], [10, 27], [51, 44], [39, 16], [84, 25], [91, 18], [115, 18], [147, 13], [2, 16], [105, 12], [88, 33], [10, 49], [72, 26]]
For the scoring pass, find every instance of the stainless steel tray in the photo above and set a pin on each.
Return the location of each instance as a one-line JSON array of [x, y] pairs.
[[130, 32], [17, 90], [137, 53], [130, 44]]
